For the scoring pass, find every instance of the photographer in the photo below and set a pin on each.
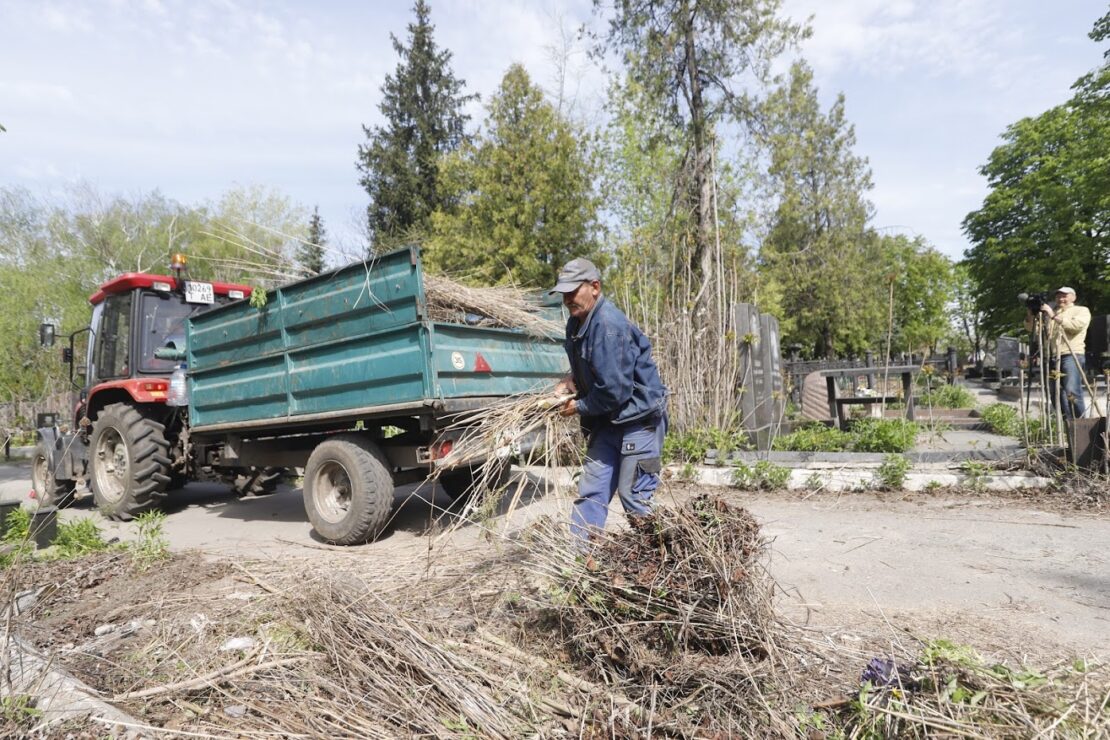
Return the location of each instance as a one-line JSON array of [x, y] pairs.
[[1066, 332]]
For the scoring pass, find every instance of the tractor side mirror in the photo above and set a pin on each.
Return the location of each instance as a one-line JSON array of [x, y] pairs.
[[46, 334], [67, 355]]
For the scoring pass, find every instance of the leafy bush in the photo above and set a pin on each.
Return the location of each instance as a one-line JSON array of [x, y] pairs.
[[78, 537], [815, 437], [865, 435], [883, 435], [17, 539], [763, 476], [892, 473], [691, 446], [1002, 419], [948, 397]]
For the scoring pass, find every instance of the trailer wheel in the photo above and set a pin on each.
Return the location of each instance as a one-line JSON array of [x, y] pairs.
[[130, 462], [348, 490], [459, 483], [49, 491]]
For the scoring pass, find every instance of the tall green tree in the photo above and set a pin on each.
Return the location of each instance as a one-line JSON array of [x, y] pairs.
[[924, 289], [699, 63], [819, 252], [524, 192], [1046, 220], [310, 256], [422, 104]]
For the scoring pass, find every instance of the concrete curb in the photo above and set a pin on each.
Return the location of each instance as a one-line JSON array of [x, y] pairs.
[[862, 479], [792, 459]]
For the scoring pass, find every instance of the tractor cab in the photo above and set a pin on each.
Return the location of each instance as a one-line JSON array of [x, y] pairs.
[[134, 316]]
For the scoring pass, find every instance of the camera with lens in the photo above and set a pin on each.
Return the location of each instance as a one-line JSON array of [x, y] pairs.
[[1034, 301]]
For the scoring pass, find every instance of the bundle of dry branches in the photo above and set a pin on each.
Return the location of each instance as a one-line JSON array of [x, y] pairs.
[[488, 436], [501, 306], [677, 611]]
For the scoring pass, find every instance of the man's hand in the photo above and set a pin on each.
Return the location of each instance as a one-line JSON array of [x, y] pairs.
[[570, 408], [565, 387], [1047, 310]]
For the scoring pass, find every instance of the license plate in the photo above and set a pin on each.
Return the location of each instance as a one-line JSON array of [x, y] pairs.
[[199, 292]]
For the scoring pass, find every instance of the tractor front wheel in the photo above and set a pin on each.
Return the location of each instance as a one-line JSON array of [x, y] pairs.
[[130, 461]]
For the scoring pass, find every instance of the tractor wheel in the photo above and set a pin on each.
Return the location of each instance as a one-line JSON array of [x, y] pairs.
[[49, 491], [130, 462], [254, 481], [348, 490]]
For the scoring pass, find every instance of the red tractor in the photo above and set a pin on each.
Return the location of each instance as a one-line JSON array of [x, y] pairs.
[[129, 440]]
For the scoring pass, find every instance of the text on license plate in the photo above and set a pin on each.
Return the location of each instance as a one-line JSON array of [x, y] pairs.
[[198, 292]]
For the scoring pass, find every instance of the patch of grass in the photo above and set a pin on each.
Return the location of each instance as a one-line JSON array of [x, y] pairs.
[[892, 473], [692, 445], [17, 538], [864, 435], [18, 526], [152, 545], [883, 435], [19, 709], [815, 437], [763, 476], [78, 537], [948, 397], [1002, 419]]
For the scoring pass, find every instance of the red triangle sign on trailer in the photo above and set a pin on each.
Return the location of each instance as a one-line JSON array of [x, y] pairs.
[[481, 366]]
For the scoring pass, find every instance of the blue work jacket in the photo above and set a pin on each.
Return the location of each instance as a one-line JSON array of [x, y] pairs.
[[610, 361]]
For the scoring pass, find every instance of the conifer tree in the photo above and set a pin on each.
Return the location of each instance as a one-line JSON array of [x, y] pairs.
[[311, 253], [422, 103], [525, 193]]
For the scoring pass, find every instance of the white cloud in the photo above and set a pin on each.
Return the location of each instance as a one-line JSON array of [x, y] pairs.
[[883, 39]]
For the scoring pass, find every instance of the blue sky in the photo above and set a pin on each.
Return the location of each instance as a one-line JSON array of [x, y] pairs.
[[193, 98]]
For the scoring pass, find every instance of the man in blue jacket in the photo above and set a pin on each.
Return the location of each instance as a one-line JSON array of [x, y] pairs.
[[618, 396]]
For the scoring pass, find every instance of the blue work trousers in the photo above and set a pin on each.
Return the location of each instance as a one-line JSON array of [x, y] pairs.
[[622, 459], [1071, 401]]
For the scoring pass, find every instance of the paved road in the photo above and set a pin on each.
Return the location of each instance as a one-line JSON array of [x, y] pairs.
[[964, 568]]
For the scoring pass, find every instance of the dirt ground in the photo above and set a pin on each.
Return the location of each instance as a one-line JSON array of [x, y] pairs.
[[1022, 579], [1023, 574]]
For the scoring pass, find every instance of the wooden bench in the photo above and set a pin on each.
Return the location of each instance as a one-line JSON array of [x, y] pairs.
[[838, 403]]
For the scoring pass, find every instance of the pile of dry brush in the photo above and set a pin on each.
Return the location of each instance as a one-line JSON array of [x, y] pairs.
[[667, 628], [677, 612], [498, 306]]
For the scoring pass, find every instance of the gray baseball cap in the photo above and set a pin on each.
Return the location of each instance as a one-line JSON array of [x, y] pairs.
[[579, 270]]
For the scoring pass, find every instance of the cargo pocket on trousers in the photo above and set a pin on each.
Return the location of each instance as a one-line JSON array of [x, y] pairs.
[[649, 465]]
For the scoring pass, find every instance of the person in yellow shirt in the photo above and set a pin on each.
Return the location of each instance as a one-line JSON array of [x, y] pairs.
[[1067, 330]]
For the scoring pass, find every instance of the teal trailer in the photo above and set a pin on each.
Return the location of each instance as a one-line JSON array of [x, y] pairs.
[[346, 374]]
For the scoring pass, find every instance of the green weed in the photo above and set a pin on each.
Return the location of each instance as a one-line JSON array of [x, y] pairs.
[[815, 437], [692, 446], [78, 537], [19, 708], [883, 435], [17, 542], [1002, 419], [763, 476], [976, 472], [948, 397], [892, 473], [152, 545]]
